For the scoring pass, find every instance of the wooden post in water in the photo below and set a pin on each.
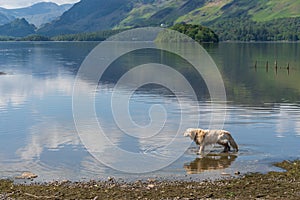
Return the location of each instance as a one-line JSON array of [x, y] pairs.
[[276, 67], [255, 66], [288, 68], [267, 66]]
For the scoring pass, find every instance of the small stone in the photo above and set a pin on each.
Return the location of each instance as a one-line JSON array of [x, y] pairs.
[[150, 186], [64, 182], [27, 175], [225, 174], [237, 173], [151, 180]]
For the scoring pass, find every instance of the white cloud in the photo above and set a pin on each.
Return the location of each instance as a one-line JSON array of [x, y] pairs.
[[48, 135], [25, 3], [16, 94]]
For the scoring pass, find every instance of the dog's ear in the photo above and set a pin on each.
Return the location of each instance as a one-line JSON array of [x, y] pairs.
[[192, 133], [202, 133], [195, 132]]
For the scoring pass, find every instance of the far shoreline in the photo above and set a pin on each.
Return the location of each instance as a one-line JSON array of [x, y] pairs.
[[98, 41]]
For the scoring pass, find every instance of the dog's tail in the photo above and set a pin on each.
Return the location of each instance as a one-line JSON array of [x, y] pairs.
[[232, 142]]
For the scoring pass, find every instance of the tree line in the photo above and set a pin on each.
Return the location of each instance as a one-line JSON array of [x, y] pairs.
[[244, 29], [93, 36], [197, 32], [235, 29]]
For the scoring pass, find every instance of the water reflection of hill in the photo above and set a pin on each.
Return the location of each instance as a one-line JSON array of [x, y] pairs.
[[244, 84], [247, 85], [136, 58]]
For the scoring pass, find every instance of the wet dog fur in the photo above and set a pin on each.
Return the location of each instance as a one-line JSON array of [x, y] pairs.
[[206, 137]]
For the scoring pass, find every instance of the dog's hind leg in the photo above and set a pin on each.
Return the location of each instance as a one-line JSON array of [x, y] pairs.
[[225, 145], [226, 148]]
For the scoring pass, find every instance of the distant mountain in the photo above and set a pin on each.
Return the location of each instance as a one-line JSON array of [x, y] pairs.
[[4, 17], [37, 14], [93, 15], [17, 28], [88, 16]]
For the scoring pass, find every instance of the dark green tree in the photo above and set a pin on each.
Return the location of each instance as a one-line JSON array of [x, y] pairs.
[[197, 32]]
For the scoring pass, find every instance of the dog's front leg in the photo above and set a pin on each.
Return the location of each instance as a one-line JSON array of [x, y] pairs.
[[201, 150]]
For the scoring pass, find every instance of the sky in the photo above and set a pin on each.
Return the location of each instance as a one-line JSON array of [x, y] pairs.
[[25, 3]]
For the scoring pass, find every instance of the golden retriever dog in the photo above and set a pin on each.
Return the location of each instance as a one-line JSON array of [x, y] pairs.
[[206, 137]]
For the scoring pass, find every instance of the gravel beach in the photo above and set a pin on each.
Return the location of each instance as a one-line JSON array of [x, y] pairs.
[[273, 185]]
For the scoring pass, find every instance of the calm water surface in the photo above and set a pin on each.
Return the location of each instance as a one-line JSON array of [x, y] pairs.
[[38, 134]]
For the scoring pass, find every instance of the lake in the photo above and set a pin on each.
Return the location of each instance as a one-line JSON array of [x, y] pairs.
[[38, 132]]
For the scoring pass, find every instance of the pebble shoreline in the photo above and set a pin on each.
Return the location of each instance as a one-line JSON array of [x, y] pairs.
[[273, 185]]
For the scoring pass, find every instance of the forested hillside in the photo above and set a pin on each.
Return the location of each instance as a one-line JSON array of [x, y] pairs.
[[244, 29], [230, 19], [244, 20]]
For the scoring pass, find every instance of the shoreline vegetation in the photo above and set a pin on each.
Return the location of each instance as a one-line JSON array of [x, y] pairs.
[[196, 32], [199, 33], [93, 36], [273, 185]]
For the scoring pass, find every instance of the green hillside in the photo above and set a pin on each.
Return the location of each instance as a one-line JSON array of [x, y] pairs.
[[205, 11], [88, 16], [275, 9], [235, 19], [260, 10], [210, 11]]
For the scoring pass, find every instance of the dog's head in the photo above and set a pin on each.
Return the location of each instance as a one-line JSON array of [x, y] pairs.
[[195, 132], [189, 132], [192, 132]]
